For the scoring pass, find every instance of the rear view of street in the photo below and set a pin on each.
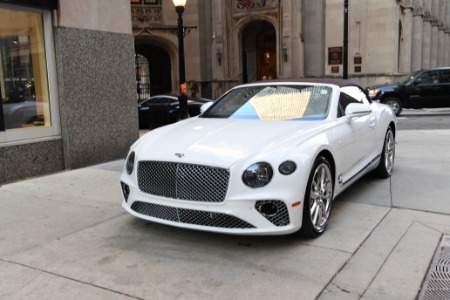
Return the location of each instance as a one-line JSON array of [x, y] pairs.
[[66, 236]]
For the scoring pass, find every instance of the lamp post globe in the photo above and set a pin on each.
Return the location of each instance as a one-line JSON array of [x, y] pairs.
[[182, 97], [179, 3]]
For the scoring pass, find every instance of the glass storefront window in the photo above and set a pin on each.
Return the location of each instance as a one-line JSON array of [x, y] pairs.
[[23, 72], [27, 75]]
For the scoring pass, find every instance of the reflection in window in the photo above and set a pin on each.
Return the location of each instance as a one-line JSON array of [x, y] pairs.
[[446, 76], [23, 72], [273, 103], [356, 93], [431, 77]]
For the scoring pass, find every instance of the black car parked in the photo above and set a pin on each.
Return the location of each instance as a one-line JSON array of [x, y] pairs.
[[161, 110], [423, 89]]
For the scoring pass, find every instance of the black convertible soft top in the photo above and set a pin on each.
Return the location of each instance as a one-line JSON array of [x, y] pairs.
[[336, 81]]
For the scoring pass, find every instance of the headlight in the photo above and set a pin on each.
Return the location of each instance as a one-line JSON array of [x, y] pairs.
[[258, 175], [130, 163], [372, 93], [288, 167]]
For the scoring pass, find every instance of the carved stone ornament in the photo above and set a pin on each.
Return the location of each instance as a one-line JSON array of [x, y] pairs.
[[144, 17], [245, 5]]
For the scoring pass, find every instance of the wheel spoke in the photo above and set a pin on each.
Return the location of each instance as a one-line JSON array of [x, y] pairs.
[[319, 220], [314, 213], [325, 210]]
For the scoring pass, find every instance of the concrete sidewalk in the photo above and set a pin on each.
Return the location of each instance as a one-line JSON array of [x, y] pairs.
[[66, 236], [425, 111]]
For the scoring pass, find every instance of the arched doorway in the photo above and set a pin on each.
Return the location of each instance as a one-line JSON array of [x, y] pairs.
[[153, 71], [259, 52]]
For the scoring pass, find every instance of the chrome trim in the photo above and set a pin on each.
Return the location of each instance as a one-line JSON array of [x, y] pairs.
[[360, 171]]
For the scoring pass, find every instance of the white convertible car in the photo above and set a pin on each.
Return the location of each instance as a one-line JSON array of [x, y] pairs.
[[265, 158]]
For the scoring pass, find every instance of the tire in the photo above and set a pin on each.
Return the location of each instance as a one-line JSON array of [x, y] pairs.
[[318, 199], [395, 104], [386, 166]]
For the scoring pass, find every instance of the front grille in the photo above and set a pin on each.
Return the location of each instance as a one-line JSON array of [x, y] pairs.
[[189, 216], [183, 181]]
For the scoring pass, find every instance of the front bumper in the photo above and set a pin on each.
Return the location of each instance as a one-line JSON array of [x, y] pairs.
[[245, 216]]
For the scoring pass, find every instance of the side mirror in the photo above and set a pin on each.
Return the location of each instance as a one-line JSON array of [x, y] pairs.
[[356, 110], [205, 107]]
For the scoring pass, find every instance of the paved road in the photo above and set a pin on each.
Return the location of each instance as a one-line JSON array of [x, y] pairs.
[[65, 236]]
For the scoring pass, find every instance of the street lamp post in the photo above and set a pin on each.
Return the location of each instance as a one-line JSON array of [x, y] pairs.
[[345, 58], [182, 97]]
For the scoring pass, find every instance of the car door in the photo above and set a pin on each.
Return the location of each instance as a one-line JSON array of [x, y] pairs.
[[426, 90], [358, 143], [444, 100]]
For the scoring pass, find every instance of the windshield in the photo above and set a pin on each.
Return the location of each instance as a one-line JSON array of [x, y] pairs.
[[274, 102]]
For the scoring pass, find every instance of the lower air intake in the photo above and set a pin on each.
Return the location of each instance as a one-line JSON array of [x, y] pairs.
[[189, 216]]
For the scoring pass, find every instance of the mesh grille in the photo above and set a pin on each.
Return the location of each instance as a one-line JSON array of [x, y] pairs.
[[281, 217], [183, 181], [189, 216]]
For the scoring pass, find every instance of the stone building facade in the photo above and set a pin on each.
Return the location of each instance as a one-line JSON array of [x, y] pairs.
[[71, 71], [67, 85], [236, 41]]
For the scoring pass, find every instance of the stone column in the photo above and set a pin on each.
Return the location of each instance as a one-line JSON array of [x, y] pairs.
[[416, 55], [447, 36], [314, 33], [447, 47], [219, 43], [426, 41], [286, 15], [294, 49], [434, 33], [441, 34], [407, 32]]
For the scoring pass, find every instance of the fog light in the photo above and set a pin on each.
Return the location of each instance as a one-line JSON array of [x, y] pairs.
[[125, 190], [268, 209]]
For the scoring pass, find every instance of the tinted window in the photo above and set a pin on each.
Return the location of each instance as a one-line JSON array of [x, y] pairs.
[[344, 100], [446, 76], [429, 77]]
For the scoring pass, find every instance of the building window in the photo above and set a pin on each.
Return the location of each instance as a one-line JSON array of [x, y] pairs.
[[145, 2], [26, 110]]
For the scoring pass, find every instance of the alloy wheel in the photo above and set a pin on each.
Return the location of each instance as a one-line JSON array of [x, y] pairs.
[[389, 151], [321, 195]]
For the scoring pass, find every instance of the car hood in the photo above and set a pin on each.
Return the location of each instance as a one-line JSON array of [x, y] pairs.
[[221, 142]]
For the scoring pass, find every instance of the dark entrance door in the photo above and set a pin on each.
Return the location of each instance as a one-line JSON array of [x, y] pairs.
[[267, 54], [153, 71], [259, 57]]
